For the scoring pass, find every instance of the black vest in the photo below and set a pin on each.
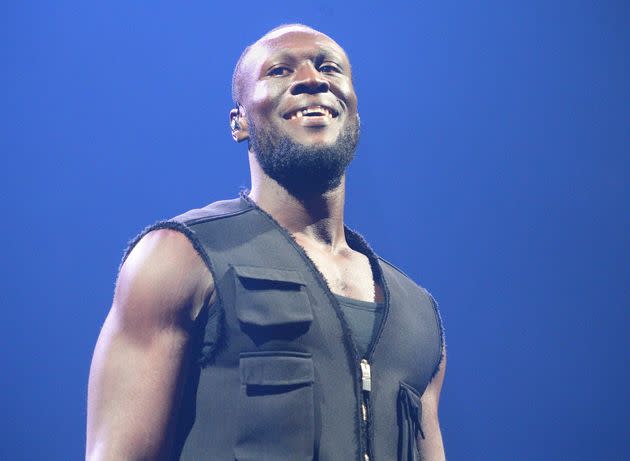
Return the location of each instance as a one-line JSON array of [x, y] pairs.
[[276, 374]]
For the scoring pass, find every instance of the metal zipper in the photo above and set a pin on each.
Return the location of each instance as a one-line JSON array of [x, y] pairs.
[[365, 367], [366, 388]]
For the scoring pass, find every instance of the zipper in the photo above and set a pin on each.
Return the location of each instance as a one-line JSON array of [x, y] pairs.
[[364, 364], [366, 375], [366, 389]]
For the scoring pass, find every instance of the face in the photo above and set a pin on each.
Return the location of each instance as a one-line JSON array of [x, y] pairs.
[[301, 108]]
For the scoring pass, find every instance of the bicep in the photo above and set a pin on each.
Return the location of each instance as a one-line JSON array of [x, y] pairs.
[[141, 353], [132, 392]]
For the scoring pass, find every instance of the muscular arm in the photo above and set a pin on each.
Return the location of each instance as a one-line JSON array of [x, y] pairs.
[[141, 354], [431, 447]]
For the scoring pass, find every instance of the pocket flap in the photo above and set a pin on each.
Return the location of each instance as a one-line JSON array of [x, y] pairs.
[[269, 297], [276, 368], [269, 273]]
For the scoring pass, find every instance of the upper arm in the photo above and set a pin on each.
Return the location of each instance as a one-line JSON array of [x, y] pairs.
[[141, 353], [431, 446]]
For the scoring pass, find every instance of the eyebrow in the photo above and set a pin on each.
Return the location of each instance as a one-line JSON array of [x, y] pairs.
[[322, 54]]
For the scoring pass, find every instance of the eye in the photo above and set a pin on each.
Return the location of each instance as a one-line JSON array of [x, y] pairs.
[[329, 67], [279, 71]]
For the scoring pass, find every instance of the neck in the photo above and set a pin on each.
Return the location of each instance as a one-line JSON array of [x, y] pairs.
[[316, 217]]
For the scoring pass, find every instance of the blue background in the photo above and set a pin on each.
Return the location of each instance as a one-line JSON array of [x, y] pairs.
[[493, 168]]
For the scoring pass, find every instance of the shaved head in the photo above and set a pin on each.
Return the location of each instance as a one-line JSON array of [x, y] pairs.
[[237, 80], [297, 108]]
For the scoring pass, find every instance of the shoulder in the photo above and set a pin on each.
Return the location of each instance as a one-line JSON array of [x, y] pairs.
[[393, 267], [215, 210], [407, 280], [163, 248], [162, 237], [424, 294], [165, 266], [163, 275], [397, 272]]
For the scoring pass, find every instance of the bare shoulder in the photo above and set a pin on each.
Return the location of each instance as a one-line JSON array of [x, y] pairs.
[[163, 273]]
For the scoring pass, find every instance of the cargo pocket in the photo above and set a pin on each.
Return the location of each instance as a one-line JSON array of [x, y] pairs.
[[409, 411], [271, 303], [275, 408]]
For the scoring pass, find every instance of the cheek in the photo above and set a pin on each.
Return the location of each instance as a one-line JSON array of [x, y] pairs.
[[263, 99], [349, 96]]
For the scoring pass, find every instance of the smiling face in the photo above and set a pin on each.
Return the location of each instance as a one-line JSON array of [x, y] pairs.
[[298, 107]]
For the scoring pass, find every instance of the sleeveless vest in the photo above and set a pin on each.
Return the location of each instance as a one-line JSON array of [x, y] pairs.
[[276, 375]]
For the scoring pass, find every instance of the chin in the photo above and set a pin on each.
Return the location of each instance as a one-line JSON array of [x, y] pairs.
[[305, 160]]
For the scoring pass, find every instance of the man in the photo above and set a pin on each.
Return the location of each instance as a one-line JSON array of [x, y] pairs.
[[261, 328]]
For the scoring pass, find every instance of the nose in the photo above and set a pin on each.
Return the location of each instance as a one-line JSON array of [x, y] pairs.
[[309, 80]]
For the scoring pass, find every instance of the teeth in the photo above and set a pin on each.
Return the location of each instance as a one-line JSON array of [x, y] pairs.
[[316, 109], [310, 110]]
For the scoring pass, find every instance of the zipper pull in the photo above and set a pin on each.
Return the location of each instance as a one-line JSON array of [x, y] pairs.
[[366, 376]]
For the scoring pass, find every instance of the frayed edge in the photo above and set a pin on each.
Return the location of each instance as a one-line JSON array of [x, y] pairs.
[[357, 241], [440, 324], [174, 225], [207, 350], [438, 319], [351, 352]]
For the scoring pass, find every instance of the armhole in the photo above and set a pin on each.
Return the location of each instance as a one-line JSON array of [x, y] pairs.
[[174, 225], [436, 312], [210, 318], [440, 327]]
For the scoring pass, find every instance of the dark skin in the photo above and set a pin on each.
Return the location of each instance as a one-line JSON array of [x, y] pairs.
[[143, 350]]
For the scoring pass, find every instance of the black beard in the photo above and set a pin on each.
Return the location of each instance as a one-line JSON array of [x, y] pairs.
[[304, 170]]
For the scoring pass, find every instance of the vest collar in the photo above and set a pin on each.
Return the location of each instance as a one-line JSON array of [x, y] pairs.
[[357, 243]]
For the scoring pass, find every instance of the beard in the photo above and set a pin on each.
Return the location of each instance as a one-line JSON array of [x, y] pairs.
[[301, 169]]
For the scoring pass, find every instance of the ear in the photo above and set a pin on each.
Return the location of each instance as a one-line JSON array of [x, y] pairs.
[[238, 125]]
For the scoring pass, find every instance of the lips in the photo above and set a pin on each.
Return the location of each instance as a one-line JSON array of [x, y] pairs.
[[311, 111]]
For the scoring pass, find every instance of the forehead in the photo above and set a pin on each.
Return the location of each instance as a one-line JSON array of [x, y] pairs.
[[293, 43]]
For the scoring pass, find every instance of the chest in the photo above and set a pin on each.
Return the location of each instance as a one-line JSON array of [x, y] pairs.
[[347, 273]]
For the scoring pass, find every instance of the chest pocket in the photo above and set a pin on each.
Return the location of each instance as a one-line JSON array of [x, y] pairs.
[[271, 303]]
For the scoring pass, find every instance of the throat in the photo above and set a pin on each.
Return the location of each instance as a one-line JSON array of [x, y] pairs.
[[318, 216], [347, 272]]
